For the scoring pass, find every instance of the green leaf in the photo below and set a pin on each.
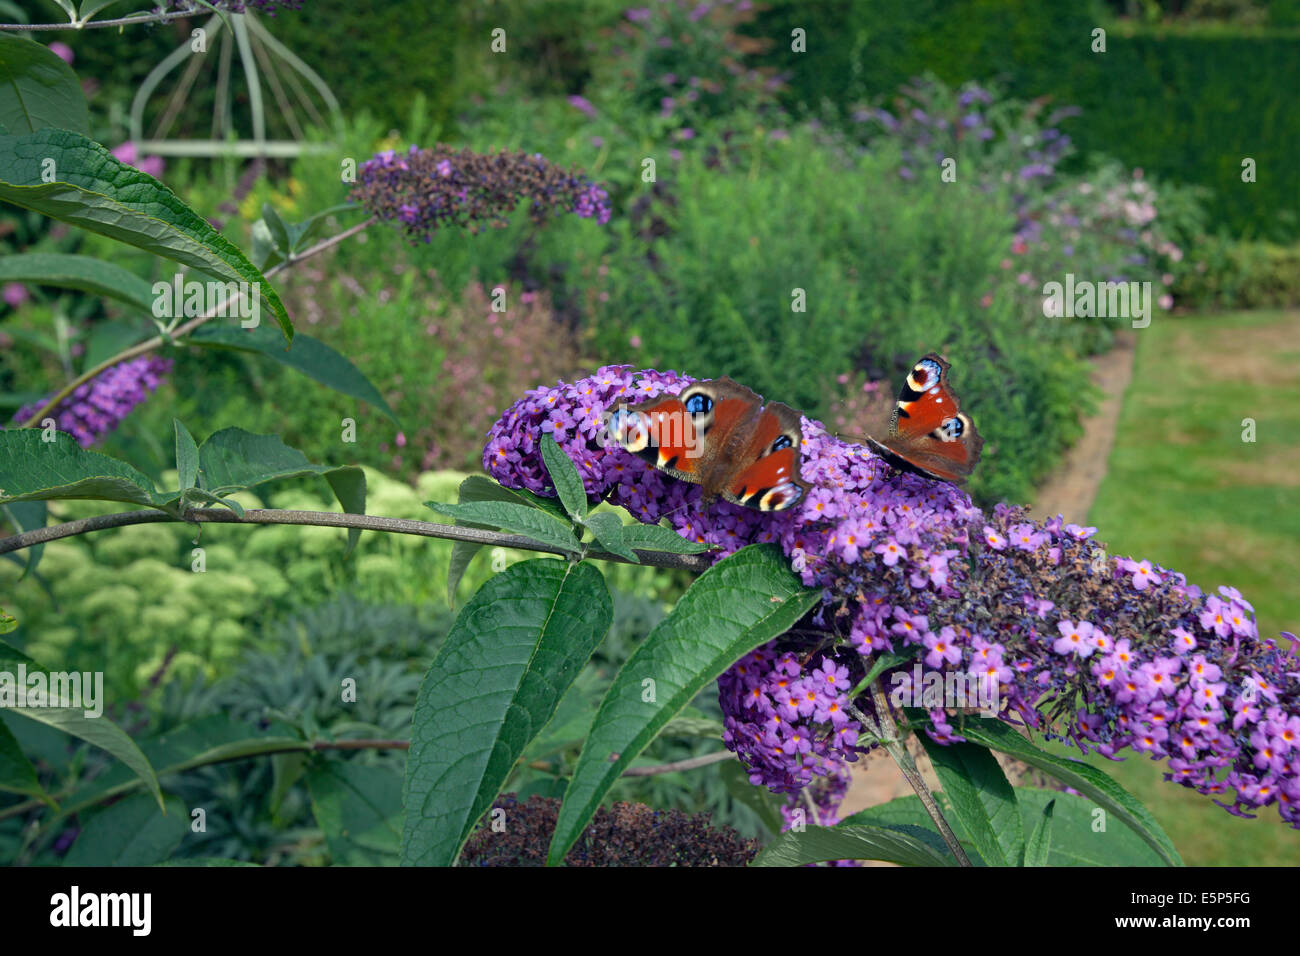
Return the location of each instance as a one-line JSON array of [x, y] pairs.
[[1040, 841], [479, 488], [95, 191], [1081, 776], [233, 459], [300, 232], [305, 354], [83, 273], [738, 604], [349, 487], [518, 519], [36, 470], [820, 844], [187, 457], [131, 832], [652, 537], [564, 476], [197, 496], [1076, 840], [982, 798], [17, 775], [359, 809], [28, 516], [91, 7], [514, 649], [286, 770], [759, 799], [37, 89], [275, 225], [880, 664], [100, 731], [607, 528], [262, 253]]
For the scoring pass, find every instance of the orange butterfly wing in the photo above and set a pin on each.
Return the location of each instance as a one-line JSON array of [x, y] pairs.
[[928, 433]]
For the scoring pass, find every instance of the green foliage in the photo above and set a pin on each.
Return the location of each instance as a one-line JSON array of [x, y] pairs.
[[685, 652], [887, 274], [98, 192], [495, 684], [1075, 838], [1136, 96], [126, 601], [42, 89], [1229, 274]]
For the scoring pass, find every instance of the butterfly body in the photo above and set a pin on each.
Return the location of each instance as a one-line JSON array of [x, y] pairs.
[[928, 433], [719, 435]]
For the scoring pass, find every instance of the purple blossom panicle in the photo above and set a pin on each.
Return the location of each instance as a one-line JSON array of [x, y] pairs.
[[427, 189], [1109, 654], [98, 406], [787, 719]]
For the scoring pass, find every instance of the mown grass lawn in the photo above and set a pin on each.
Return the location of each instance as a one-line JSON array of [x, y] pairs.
[[1184, 490]]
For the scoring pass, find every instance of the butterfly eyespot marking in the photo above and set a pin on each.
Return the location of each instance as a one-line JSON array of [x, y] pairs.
[[782, 442], [630, 430], [952, 429], [781, 497], [698, 404], [924, 375]]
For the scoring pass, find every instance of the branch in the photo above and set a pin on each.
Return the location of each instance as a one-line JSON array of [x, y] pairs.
[[692, 763], [903, 757], [95, 24], [157, 341], [332, 519]]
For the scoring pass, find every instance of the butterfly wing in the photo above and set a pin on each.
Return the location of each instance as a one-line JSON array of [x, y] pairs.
[[717, 434], [688, 435], [928, 433], [660, 432], [771, 481]]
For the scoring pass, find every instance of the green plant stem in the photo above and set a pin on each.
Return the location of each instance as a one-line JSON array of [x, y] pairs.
[[332, 519], [886, 731], [158, 340]]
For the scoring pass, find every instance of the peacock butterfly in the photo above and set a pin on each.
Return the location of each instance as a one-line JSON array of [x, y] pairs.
[[718, 434], [928, 434]]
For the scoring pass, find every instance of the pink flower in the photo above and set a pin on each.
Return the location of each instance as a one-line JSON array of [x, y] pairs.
[[15, 294], [149, 165]]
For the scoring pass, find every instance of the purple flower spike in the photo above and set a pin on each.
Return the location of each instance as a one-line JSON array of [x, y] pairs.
[[428, 189], [98, 406], [1110, 654]]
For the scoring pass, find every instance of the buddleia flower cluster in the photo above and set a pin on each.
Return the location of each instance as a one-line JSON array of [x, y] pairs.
[[428, 189], [98, 406], [1111, 654]]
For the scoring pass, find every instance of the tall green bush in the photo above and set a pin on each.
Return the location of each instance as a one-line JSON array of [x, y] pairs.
[[1186, 103]]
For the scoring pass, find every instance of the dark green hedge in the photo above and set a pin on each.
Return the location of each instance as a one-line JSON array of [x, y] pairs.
[[1186, 104]]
